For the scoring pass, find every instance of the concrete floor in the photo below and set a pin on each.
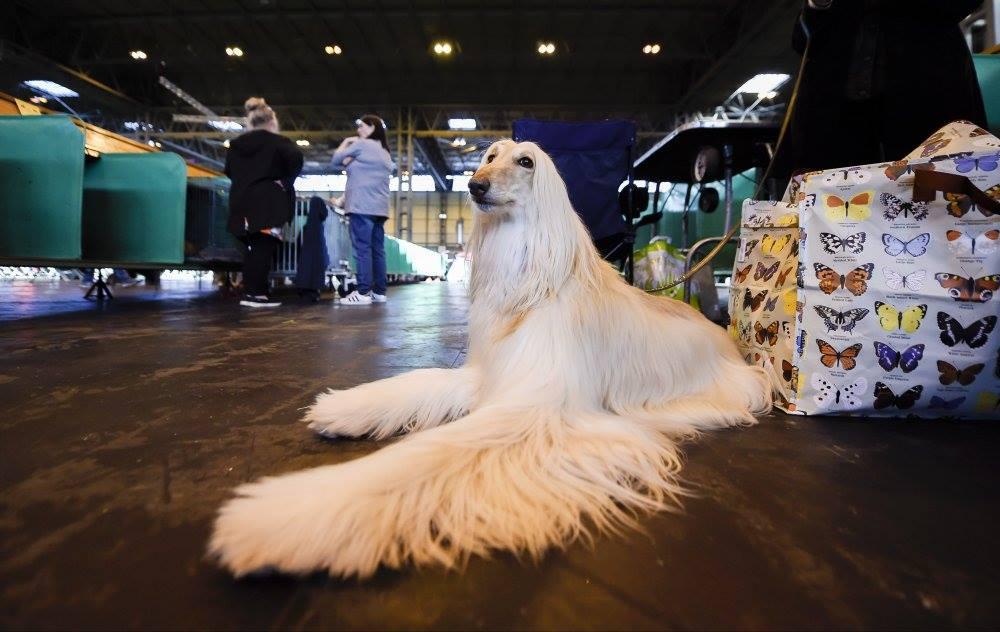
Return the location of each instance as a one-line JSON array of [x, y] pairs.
[[125, 426]]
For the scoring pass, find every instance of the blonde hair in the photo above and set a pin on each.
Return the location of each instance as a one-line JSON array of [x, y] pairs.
[[259, 114]]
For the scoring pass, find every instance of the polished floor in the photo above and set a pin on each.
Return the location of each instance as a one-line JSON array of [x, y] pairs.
[[125, 425]]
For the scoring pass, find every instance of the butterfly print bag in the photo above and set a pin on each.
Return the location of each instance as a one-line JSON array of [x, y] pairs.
[[896, 306]]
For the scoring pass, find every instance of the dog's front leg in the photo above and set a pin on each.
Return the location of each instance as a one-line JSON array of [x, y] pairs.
[[412, 401]]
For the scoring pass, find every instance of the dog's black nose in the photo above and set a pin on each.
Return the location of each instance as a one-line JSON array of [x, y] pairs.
[[478, 188]]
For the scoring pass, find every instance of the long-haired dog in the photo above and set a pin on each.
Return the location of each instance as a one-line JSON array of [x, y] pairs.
[[565, 417]]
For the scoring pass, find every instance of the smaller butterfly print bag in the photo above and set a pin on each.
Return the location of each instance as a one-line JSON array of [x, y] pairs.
[[762, 294], [899, 267]]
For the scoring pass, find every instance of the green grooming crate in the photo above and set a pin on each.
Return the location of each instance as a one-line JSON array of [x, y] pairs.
[[988, 70], [41, 188], [133, 209]]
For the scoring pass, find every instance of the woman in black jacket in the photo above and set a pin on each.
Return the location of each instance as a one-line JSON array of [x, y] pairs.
[[263, 166]]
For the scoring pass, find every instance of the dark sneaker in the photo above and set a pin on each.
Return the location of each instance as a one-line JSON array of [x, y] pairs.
[[258, 301]]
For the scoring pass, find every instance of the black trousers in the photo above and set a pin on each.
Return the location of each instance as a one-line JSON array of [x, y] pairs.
[[257, 262]]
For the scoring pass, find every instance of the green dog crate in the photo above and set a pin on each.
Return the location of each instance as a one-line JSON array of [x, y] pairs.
[[988, 71], [41, 187], [405, 258], [207, 239], [133, 209]]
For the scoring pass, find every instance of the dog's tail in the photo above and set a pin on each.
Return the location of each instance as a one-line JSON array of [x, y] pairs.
[[500, 478]]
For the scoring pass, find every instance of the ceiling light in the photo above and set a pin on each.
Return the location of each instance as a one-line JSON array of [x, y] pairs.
[[462, 123], [137, 54], [458, 142], [651, 49], [234, 51], [38, 99], [763, 83], [442, 48], [302, 142], [442, 216], [546, 48], [225, 143], [51, 88], [333, 49]]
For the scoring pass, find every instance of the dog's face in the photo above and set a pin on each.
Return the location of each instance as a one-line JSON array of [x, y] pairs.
[[504, 180]]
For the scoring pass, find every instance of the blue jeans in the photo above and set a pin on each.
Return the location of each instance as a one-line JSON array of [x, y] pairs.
[[368, 240]]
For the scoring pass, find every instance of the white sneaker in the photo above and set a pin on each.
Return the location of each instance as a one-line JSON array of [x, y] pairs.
[[356, 299], [378, 298], [258, 301]]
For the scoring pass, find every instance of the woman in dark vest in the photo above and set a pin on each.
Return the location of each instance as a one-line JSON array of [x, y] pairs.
[[263, 166], [880, 77]]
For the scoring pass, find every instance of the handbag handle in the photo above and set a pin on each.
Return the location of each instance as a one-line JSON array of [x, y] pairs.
[[926, 184]]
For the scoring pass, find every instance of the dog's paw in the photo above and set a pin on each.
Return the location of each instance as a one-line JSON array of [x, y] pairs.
[[241, 539], [265, 530], [337, 414]]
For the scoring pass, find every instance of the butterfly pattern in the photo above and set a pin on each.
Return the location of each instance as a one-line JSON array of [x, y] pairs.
[[834, 244], [831, 397], [830, 357], [885, 397], [764, 273], [946, 404], [959, 205], [975, 335], [855, 281], [767, 334], [856, 209], [973, 244], [846, 321], [751, 301], [916, 247], [907, 360], [907, 319], [899, 168], [739, 276], [968, 289], [773, 246], [909, 282], [896, 208], [981, 163], [949, 373]]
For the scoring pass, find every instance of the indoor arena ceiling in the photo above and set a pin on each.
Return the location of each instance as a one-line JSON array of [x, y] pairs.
[[321, 63]]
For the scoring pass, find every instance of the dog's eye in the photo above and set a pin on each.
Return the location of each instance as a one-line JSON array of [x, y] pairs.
[[490, 157], [526, 162]]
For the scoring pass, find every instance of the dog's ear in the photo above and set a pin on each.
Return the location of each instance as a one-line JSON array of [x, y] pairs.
[[547, 185]]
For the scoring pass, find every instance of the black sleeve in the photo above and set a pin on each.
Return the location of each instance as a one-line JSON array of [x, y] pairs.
[[950, 11], [292, 160]]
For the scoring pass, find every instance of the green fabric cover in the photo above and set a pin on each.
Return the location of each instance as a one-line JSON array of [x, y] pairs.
[[133, 208], [988, 70], [403, 257], [41, 187]]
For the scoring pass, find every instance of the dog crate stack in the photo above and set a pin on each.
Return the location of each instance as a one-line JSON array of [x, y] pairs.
[[892, 311]]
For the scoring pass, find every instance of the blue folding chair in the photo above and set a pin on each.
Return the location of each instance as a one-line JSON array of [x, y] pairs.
[[593, 159]]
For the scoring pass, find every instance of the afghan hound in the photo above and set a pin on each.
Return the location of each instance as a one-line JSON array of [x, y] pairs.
[[564, 420]]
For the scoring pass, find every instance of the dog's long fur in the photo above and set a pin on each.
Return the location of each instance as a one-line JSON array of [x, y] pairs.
[[567, 414]]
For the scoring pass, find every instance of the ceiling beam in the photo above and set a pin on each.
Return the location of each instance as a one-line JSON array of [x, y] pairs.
[[434, 160], [636, 7]]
